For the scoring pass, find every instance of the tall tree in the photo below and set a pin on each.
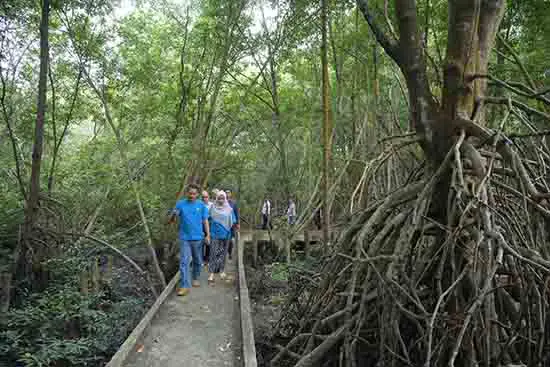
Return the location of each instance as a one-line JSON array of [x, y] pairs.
[[423, 269], [327, 125], [34, 189]]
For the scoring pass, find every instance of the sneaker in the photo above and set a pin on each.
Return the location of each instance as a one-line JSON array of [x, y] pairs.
[[183, 291], [196, 284], [222, 275]]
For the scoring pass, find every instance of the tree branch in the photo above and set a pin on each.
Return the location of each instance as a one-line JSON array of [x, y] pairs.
[[514, 87], [518, 61], [389, 45], [7, 117], [521, 106]]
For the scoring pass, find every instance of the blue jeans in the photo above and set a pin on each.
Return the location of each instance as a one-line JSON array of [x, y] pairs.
[[188, 249]]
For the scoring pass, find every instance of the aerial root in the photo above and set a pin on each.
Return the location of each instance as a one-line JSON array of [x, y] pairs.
[[402, 287]]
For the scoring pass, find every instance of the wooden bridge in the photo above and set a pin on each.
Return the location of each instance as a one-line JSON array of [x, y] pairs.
[[210, 327]]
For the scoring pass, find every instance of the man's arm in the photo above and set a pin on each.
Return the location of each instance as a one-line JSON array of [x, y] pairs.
[[206, 226]]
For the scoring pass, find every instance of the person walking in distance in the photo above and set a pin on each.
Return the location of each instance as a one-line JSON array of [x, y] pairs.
[[233, 204], [206, 199], [266, 214], [193, 229], [291, 212], [206, 246], [222, 219]]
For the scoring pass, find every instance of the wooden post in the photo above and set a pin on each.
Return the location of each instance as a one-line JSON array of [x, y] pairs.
[[306, 243], [255, 248]]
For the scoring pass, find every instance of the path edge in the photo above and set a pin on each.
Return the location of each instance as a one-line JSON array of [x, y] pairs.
[[247, 328], [118, 359]]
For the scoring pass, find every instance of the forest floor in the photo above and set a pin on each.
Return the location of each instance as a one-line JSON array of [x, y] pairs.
[[268, 289]]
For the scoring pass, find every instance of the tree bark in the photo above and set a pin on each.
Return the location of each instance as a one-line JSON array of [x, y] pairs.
[[471, 34], [327, 126], [34, 189], [472, 28]]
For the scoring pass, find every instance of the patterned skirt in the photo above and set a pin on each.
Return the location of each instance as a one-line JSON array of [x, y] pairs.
[[218, 251]]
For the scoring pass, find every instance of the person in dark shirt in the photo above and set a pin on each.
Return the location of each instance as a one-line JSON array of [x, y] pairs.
[[236, 226], [206, 246]]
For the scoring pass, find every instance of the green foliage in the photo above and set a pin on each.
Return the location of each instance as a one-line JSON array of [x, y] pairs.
[[186, 85], [278, 271], [62, 326], [37, 333]]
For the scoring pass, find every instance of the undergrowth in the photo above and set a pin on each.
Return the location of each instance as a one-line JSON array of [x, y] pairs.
[[61, 326]]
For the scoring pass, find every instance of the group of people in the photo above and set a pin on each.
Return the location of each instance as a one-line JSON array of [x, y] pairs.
[[266, 213], [206, 234]]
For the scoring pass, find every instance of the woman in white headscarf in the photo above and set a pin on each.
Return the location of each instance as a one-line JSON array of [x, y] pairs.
[[222, 219]]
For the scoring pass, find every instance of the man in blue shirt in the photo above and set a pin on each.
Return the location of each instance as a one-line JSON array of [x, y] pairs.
[[193, 225]]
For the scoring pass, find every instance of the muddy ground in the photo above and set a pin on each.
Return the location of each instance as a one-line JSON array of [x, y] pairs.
[[270, 285], [268, 289]]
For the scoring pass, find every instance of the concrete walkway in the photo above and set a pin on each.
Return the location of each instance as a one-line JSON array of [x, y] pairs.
[[201, 329]]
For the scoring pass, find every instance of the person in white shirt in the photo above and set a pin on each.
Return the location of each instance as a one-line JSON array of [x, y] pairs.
[[291, 212], [266, 214]]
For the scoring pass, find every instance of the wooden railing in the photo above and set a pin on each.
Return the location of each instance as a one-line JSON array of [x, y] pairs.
[[281, 241], [247, 327], [129, 344]]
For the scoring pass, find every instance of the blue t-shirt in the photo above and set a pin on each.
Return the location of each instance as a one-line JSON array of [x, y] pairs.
[[191, 214], [218, 231]]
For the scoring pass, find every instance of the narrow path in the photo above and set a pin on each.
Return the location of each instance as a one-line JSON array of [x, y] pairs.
[[201, 329]]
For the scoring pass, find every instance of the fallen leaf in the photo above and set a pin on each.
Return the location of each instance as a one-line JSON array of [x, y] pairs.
[[140, 348]]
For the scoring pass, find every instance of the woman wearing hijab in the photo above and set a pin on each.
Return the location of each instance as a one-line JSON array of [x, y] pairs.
[[222, 219]]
